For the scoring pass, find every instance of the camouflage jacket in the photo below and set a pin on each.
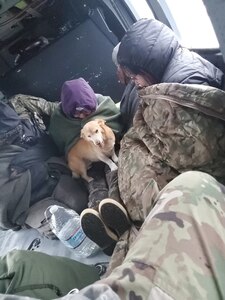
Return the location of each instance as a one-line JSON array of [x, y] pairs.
[[33, 108], [177, 128]]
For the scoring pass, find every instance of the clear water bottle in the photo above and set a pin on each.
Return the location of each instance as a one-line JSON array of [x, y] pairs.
[[65, 224]]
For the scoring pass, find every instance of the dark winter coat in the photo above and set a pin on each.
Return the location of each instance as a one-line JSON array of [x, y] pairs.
[[153, 47]]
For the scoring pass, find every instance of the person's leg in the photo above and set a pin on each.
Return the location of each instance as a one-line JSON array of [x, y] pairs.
[[97, 188], [91, 221], [112, 182], [112, 210], [108, 220], [180, 250]]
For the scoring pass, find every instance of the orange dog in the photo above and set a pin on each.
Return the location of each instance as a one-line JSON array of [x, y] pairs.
[[96, 144]]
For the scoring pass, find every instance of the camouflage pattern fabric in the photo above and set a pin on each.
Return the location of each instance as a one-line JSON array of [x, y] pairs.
[[121, 249], [180, 250], [33, 108], [177, 128], [25, 104]]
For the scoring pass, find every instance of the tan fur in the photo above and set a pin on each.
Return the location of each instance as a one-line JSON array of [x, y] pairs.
[[96, 144]]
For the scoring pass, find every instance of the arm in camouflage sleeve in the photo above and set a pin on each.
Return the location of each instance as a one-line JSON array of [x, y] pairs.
[[23, 103]]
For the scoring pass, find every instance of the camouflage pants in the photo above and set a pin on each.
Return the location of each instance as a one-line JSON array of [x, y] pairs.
[[179, 252]]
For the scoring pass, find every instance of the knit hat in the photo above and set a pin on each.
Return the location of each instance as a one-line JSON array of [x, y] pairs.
[[77, 95]]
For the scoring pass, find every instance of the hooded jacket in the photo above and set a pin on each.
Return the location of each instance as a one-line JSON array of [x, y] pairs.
[[151, 46], [65, 131], [76, 95]]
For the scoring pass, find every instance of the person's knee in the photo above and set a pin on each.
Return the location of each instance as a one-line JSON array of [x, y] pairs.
[[191, 187], [191, 179]]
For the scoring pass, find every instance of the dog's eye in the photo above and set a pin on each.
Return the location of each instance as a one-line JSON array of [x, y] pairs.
[[89, 136], [96, 131]]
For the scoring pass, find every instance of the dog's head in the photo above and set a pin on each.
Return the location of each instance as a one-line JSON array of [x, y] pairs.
[[93, 132]]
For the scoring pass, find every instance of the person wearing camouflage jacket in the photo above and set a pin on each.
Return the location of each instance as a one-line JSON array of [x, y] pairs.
[[179, 252], [177, 128], [150, 53]]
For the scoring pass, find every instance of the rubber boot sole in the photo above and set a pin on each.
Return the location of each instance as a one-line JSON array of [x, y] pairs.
[[95, 229], [114, 216]]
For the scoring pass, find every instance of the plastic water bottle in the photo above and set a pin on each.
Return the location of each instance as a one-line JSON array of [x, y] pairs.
[[65, 224]]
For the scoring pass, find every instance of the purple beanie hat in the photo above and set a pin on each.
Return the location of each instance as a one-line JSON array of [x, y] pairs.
[[77, 95]]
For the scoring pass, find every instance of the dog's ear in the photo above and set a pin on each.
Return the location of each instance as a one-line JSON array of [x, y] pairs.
[[100, 122]]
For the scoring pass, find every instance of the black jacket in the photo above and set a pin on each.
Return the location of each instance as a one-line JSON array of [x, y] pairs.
[[153, 47], [128, 106]]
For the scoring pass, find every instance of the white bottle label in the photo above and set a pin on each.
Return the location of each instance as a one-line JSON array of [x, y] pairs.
[[77, 238]]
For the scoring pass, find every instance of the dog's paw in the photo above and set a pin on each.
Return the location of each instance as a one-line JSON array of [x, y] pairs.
[[88, 178], [113, 167], [115, 158], [75, 175]]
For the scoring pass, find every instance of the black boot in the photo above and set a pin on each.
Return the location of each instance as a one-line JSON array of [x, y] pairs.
[[112, 182], [98, 191], [97, 188], [97, 231], [114, 216]]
